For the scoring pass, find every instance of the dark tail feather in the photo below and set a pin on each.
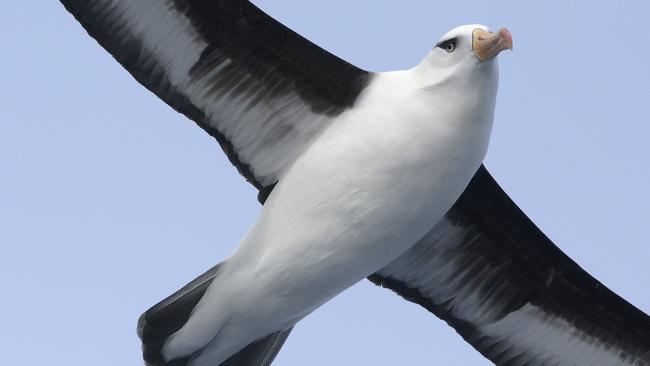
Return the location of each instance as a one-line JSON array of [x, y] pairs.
[[164, 319], [261, 352]]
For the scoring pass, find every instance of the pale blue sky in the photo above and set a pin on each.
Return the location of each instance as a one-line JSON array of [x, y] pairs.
[[109, 200]]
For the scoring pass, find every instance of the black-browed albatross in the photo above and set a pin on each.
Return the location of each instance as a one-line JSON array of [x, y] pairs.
[[360, 175]]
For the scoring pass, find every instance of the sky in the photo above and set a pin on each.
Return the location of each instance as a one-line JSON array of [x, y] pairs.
[[110, 200]]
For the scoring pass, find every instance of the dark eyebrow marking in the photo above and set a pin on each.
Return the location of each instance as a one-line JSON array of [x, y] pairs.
[[454, 39]]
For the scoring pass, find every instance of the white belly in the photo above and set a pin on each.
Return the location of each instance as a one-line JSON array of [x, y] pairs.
[[341, 214], [362, 194]]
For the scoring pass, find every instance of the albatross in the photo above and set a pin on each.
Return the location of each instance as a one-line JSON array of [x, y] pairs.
[[360, 174]]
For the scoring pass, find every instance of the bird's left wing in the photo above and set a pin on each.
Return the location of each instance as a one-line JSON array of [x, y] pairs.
[[490, 273], [259, 88]]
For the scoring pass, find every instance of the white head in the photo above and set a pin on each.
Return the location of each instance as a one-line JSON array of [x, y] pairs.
[[460, 74], [464, 54]]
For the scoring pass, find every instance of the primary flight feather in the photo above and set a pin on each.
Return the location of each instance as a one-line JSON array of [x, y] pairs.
[[362, 175]]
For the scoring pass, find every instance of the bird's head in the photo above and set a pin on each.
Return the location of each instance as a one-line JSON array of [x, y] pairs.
[[464, 53], [474, 42]]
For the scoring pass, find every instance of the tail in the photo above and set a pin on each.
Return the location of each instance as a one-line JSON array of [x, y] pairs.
[[164, 319]]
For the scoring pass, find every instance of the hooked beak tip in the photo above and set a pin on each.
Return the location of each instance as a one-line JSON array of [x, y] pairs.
[[506, 36]]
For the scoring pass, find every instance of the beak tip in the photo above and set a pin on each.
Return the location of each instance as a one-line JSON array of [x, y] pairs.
[[506, 36]]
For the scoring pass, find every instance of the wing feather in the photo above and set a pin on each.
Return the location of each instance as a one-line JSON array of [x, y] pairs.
[[490, 273], [259, 88]]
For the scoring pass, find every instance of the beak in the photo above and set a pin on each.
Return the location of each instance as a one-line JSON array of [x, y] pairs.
[[486, 45]]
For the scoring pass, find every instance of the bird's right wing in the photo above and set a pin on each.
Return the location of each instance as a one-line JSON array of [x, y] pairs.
[[490, 273], [263, 91]]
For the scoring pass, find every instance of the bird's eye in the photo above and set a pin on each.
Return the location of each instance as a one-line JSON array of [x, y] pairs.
[[449, 45]]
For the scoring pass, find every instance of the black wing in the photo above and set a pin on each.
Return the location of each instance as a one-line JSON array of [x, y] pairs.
[[490, 273], [259, 88]]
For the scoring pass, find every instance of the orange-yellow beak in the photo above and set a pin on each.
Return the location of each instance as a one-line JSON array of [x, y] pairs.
[[487, 45]]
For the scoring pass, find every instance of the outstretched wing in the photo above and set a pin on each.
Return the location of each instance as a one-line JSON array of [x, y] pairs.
[[490, 273], [259, 88]]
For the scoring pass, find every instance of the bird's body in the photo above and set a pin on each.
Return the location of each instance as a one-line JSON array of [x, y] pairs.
[[362, 193]]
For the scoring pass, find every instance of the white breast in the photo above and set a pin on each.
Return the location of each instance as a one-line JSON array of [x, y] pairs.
[[367, 189], [370, 186]]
